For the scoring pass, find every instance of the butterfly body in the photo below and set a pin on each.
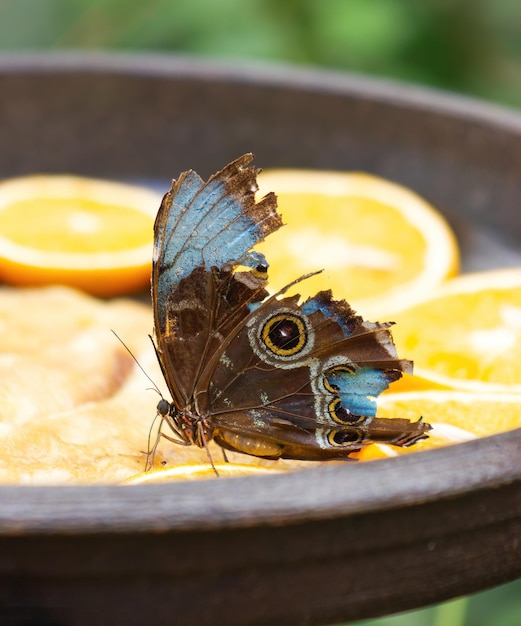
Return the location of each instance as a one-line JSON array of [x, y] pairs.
[[259, 374]]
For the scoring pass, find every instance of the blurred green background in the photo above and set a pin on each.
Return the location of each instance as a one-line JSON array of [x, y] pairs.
[[468, 46]]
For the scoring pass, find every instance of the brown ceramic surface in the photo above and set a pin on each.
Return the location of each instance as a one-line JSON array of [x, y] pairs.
[[314, 547]]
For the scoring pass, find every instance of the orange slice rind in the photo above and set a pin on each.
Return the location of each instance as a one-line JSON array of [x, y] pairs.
[[382, 246], [466, 336], [456, 416], [92, 234], [198, 472]]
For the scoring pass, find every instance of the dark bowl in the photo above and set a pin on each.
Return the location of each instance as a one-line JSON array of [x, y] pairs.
[[312, 547]]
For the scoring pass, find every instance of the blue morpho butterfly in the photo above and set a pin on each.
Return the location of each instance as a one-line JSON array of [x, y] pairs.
[[259, 374]]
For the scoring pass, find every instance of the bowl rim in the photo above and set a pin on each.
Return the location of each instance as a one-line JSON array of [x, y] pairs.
[[319, 493], [325, 492], [262, 73]]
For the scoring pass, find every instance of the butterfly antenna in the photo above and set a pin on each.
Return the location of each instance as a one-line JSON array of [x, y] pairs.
[[155, 387]]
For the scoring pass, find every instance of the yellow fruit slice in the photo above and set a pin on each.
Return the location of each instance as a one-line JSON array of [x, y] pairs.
[[74, 406], [468, 335], [456, 416], [87, 233], [197, 472], [382, 247]]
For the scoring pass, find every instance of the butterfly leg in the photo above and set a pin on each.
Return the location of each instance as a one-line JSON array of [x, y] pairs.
[[202, 437], [152, 453]]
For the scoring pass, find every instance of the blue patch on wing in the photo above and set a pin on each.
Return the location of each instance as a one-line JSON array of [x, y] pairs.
[[211, 224], [357, 390], [205, 227], [253, 259], [340, 312]]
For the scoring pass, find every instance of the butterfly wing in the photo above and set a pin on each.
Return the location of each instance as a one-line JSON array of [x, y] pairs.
[[202, 230], [301, 381], [268, 376]]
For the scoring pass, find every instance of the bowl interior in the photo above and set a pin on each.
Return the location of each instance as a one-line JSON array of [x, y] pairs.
[[147, 119]]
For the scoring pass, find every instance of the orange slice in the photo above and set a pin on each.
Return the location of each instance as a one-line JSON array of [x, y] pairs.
[[467, 336], [382, 247], [74, 406], [456, 416], [198, 472], [87, 233]]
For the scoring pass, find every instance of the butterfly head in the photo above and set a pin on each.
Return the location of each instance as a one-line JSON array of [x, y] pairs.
[[189, 428]]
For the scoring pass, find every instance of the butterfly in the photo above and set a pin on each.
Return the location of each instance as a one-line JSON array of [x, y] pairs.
[[257, 373]]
